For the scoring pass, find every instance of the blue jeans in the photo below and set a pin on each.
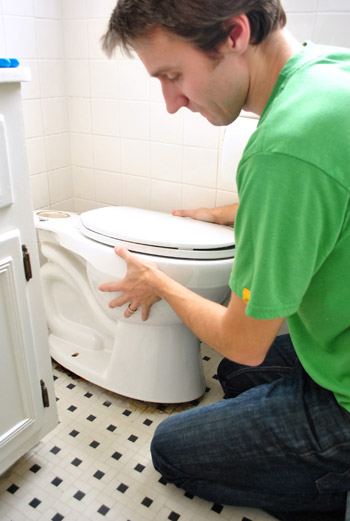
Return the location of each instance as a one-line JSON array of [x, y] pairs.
[[278, 442]]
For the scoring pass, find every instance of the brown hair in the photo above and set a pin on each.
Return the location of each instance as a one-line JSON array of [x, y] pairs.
[[202, 22]]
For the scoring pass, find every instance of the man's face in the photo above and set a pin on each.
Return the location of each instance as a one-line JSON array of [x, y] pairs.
[[215, 87]]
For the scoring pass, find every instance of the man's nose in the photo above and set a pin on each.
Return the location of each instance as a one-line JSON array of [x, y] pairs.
[[174, 99]]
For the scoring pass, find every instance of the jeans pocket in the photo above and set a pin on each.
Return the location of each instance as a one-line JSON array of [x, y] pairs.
[[334, 482]]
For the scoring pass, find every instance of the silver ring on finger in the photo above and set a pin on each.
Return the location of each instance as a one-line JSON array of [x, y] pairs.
[[131, 311]]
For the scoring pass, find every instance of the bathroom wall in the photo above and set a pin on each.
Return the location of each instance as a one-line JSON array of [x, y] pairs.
[[97, 129]]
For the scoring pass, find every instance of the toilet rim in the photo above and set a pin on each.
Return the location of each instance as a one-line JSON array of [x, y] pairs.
[[176, 237], [160, 251]]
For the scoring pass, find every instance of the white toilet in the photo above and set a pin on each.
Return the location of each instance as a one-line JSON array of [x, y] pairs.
[[157, 360]]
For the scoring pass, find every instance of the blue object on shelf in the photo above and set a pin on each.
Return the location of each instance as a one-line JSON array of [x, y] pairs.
[[8, 62], [4, 62]]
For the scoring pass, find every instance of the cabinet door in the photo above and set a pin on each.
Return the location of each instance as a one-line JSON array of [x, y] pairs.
[[20, 389], [27, 402]]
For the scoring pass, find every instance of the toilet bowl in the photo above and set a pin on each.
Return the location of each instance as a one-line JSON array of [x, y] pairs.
[[157, 360]]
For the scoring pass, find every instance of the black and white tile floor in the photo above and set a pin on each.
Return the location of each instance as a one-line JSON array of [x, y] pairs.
[[96, 464]]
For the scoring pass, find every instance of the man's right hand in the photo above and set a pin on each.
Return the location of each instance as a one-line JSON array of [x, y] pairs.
[[200, 214], [220, 215]]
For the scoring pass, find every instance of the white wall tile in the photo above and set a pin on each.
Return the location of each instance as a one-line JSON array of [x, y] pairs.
[[134, 120], [84, 183], [136, 191], [55, 115], [108, 187], [195, 197], [333, 29], [107, 154], [69, 205], [33, 121], [226, 177], [166, 162], [105, 117], [75, 39], [40, 190], [78, 78], [104, 79], [333, 5], [165, 196], [200, 166], [52, 78], [156, 94], [36, 155], [223, 198], [49, 35], [20, 37], [100, 9], [81, 150], [199, 132], [136, 157], [301, 6], [18, 7], [57, 151], [60, 185], [237, 136], [83, 205], [3, 51], [31, 89], [166, 128], [48, 8], [96, 29], [74, 9], [134, 82], [301, 25], [79, 110]]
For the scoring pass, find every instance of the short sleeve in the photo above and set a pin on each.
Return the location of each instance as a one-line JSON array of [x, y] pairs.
[[287, 224]]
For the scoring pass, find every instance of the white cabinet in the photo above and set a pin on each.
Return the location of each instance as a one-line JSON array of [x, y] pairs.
[[28, 404]]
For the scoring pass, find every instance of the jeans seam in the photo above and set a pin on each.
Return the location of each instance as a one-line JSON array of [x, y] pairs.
[[261, 370], [324, 452]]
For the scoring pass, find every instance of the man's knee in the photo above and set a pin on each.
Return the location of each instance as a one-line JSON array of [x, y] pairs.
[[160, 446], [169, 450], [156, 450]]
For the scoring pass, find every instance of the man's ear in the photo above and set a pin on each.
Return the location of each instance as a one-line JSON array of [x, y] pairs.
[[239, 36]]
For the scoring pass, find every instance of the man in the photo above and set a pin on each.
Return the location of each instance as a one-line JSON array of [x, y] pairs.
[[281, 439]]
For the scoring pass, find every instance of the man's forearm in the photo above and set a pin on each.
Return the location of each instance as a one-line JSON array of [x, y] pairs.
[[225, 214], [220, 215], [203, 317], [227, 330]]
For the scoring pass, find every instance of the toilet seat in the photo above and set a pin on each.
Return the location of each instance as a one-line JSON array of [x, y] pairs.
[[159, 234]]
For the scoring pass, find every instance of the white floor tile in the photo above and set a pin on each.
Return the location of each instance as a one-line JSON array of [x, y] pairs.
[[96, 464]]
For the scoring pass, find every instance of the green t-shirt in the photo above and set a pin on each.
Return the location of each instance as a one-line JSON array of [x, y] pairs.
[[293, 224]]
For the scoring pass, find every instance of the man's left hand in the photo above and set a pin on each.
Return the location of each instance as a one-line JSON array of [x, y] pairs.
[[135, 286]]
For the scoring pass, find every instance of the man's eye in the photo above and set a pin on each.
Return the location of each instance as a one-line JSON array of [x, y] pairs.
[[172, 77]]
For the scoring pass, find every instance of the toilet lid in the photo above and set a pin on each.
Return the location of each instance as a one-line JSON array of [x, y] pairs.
[[157, 233]]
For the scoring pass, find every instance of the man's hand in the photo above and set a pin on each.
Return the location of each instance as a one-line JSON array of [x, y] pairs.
[[200, 214], [134, 287], [225, 215]]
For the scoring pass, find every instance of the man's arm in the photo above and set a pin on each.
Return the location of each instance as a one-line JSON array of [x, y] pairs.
[[220, 215], [227, 330]]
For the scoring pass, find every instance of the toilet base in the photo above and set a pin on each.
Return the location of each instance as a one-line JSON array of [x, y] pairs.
[[166, 371]]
